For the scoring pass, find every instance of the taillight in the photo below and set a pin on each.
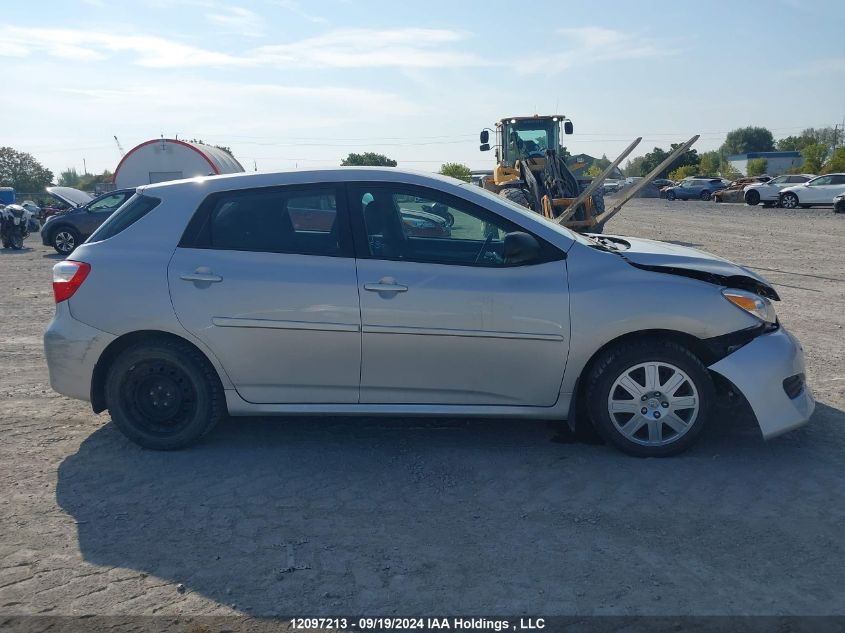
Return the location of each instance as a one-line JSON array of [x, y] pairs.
[[67, 277]]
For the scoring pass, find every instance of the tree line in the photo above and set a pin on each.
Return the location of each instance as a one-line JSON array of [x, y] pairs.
[[821, 151]]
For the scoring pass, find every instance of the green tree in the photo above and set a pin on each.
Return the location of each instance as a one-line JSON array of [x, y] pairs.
[[747, 139], [728, 171], [456, 170], [367, 159], [594, 170], [603, 162], [793, 143], [835, 163], [684, 172], [813, 156], [709, 165], [89, 182], [634, 166], [21, 171], [69, 177], [658, 155], [757, 166]]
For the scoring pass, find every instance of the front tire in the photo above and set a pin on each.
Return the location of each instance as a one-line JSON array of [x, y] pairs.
[[788, 200], [650, 398], [164, 394], [704, 195], [670, 195], [517, 195], [752, 198]]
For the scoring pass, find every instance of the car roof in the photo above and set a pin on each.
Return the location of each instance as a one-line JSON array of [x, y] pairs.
[[248, 180]]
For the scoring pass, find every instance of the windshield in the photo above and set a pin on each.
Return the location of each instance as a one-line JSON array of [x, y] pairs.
[[529, 138], [530, 215]]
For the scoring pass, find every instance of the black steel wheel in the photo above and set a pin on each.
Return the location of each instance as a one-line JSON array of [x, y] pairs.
[[164, 394]]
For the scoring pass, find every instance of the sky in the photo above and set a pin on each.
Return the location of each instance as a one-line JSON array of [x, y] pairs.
[[296, 84]]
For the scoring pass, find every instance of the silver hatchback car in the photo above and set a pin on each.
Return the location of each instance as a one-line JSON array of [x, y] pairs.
[[314, 293]]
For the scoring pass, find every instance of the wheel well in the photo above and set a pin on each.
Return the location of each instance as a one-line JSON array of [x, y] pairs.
[[51, 230], [578, 413], [115, 348]]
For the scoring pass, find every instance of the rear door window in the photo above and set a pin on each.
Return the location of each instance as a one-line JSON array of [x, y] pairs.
[[304, 220]]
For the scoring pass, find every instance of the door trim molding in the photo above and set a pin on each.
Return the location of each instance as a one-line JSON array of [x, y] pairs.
[[390, 329], [273, 324]]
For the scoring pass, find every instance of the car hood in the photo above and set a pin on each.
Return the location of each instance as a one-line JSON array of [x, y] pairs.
[[675, 259], [71, 196]]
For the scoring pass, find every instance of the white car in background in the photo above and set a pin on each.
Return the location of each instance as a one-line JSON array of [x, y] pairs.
[[769, 192], [818, 191]]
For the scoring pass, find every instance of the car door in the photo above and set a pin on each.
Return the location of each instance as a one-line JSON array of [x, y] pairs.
[[446, 318], [818, 191], [266, 278]]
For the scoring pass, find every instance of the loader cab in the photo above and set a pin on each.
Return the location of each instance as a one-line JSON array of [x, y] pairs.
[[529, 137]]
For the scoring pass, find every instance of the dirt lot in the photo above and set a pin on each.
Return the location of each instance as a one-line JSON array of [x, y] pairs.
[[390, 516]]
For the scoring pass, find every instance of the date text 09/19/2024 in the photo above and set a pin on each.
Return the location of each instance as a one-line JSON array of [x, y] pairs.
[[410, 624]]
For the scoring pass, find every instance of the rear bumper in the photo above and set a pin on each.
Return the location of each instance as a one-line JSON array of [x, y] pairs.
[[759, 369], [72, 350]]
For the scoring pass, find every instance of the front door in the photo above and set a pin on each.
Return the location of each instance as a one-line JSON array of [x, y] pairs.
[[266, 278], [446, 319], [822, 189]]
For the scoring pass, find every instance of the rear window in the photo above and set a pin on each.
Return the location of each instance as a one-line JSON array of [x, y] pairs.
[[132, 210]]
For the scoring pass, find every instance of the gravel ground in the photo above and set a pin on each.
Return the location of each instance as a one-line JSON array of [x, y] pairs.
[[443, 516]]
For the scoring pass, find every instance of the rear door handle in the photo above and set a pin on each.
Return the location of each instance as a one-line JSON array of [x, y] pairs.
[[387, 284], [202, 274]]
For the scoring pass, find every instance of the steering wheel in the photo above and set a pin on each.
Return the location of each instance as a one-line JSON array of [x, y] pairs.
[[484, 248]]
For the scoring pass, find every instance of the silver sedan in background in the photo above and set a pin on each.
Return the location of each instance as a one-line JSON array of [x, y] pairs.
[[222, 295]]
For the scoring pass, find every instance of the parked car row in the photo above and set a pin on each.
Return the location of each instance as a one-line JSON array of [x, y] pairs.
[[789, 191]]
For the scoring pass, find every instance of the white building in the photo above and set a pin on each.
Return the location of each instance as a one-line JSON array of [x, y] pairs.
[[777, 163], [165, 159]]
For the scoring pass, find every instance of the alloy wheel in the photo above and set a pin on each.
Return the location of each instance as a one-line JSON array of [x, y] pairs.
[[653, 403], [64, 241]]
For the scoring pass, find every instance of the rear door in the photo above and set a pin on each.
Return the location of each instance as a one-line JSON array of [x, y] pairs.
[[446, 319], [266, 278]]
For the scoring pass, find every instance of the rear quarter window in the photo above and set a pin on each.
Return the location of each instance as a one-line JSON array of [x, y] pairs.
[[130, 212]]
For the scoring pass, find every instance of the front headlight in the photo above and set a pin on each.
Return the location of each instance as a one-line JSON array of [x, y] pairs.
[[754, 304]]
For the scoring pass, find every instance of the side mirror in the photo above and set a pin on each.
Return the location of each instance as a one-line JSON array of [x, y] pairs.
[[567, 127], [484, 147], [521, 248], [484, 137]]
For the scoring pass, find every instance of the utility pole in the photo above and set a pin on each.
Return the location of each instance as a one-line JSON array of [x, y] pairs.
[[84, 167]]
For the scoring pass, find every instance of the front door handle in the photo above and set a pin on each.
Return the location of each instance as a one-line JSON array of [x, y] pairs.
[[386, 284], [202, 274]]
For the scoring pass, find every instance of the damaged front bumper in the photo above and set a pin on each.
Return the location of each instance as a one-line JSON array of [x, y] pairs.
[[769, 371]]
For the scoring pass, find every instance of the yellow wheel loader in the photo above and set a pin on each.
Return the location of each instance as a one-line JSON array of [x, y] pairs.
[[534, 170]]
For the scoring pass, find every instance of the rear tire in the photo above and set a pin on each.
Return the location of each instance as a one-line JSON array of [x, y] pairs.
[[678, 378], [164, 394], [753, 198]]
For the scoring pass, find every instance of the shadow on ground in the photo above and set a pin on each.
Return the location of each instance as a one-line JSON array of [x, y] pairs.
[[327, 515]]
